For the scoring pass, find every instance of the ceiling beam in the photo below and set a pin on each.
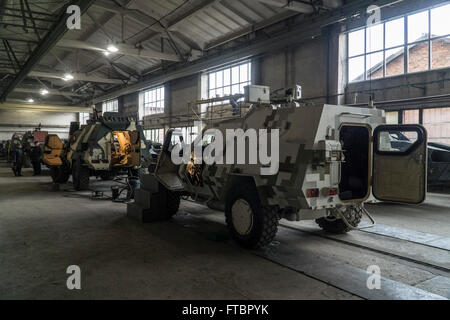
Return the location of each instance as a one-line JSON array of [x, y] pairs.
[[60, 76], [55, 33], [133, 14], [43, 107], [251, 28], [123, 50], [290, 5], [174, 24], [50, 92], [192, 11], [311, 27], [140, 17]]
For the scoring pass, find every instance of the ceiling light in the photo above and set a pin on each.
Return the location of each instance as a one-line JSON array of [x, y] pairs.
[[68, 77], [112, 48], [44, 92], [30, 100]]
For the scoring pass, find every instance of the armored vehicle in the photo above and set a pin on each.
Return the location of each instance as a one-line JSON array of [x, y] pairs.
[[332, 159], [106, 146]]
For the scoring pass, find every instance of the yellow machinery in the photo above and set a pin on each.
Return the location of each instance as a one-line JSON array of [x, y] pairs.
[[53, 149], [125, 149]]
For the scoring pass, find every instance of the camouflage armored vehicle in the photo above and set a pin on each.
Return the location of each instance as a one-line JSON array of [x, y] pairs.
[[332, 159], [105, 147]]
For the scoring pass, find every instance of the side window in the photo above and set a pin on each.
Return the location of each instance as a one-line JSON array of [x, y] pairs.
[[400, 141]]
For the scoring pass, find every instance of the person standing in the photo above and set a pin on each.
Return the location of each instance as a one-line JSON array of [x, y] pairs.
[[17, 158], [35, 157]]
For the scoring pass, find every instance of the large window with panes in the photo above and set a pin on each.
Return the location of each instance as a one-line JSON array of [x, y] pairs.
[[189, 134], [416, 42], [229, 80], [435, 120], [83, 117], [155, 135], [153, 101], [110, 106]]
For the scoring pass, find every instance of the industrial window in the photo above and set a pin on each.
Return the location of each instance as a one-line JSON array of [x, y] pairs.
[[230, 80], [411, 116], [84, 117], [437, 123], [189, 134], [392, 117], [155, 135], [379, 51], [110, 106], [153, 101]]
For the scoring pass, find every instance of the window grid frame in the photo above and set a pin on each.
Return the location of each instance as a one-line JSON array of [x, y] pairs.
[[158, 104], [83, 117], [188, 133], [406, 45], [231, 83], [155, 135], [110, 106]]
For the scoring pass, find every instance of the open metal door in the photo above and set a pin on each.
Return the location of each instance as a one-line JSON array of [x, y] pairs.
[[166, 171], [400, 163]]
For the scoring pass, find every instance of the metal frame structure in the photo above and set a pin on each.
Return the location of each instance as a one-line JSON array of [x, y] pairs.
[[157, 41]]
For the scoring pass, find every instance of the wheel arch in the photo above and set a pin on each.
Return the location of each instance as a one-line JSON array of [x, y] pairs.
[[238, 179]]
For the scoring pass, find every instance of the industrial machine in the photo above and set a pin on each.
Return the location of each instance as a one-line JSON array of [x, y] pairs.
[[106, 146], [332, 159]]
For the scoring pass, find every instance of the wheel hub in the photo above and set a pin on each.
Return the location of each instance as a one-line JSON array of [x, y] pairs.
[[242, 217]]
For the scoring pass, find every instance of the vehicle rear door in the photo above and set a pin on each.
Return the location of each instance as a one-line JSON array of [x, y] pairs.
[[400, 163]]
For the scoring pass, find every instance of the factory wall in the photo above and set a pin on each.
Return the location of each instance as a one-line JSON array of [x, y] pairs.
[[319, 66], [304, 64], [12, 121]]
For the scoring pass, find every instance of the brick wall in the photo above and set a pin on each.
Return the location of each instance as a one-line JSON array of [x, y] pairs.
[[418, 60]]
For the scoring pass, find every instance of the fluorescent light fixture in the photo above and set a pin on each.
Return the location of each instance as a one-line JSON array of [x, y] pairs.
[[30, 100], [68, 77], [112, 48], [44, 92]]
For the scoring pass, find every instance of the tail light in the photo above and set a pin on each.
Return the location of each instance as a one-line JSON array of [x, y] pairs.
[[333, 192], [312, 193]]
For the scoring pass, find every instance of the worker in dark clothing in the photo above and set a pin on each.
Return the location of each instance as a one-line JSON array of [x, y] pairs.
[[35, 157], [17, 158]]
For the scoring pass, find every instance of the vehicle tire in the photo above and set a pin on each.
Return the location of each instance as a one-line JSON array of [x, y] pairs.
[[250, 224], [333, 224], [80, 176], [173, 203], [59, 174]]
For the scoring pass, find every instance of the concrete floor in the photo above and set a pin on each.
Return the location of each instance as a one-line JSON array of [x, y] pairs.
[[42, 232]]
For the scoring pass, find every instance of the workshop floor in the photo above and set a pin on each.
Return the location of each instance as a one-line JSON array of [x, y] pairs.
[[42, 232]]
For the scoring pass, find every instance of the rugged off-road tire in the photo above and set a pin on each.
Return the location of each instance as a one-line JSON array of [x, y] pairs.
[[173, 203], [333, 224], [251, 224], [80, 176], [59, 174]]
